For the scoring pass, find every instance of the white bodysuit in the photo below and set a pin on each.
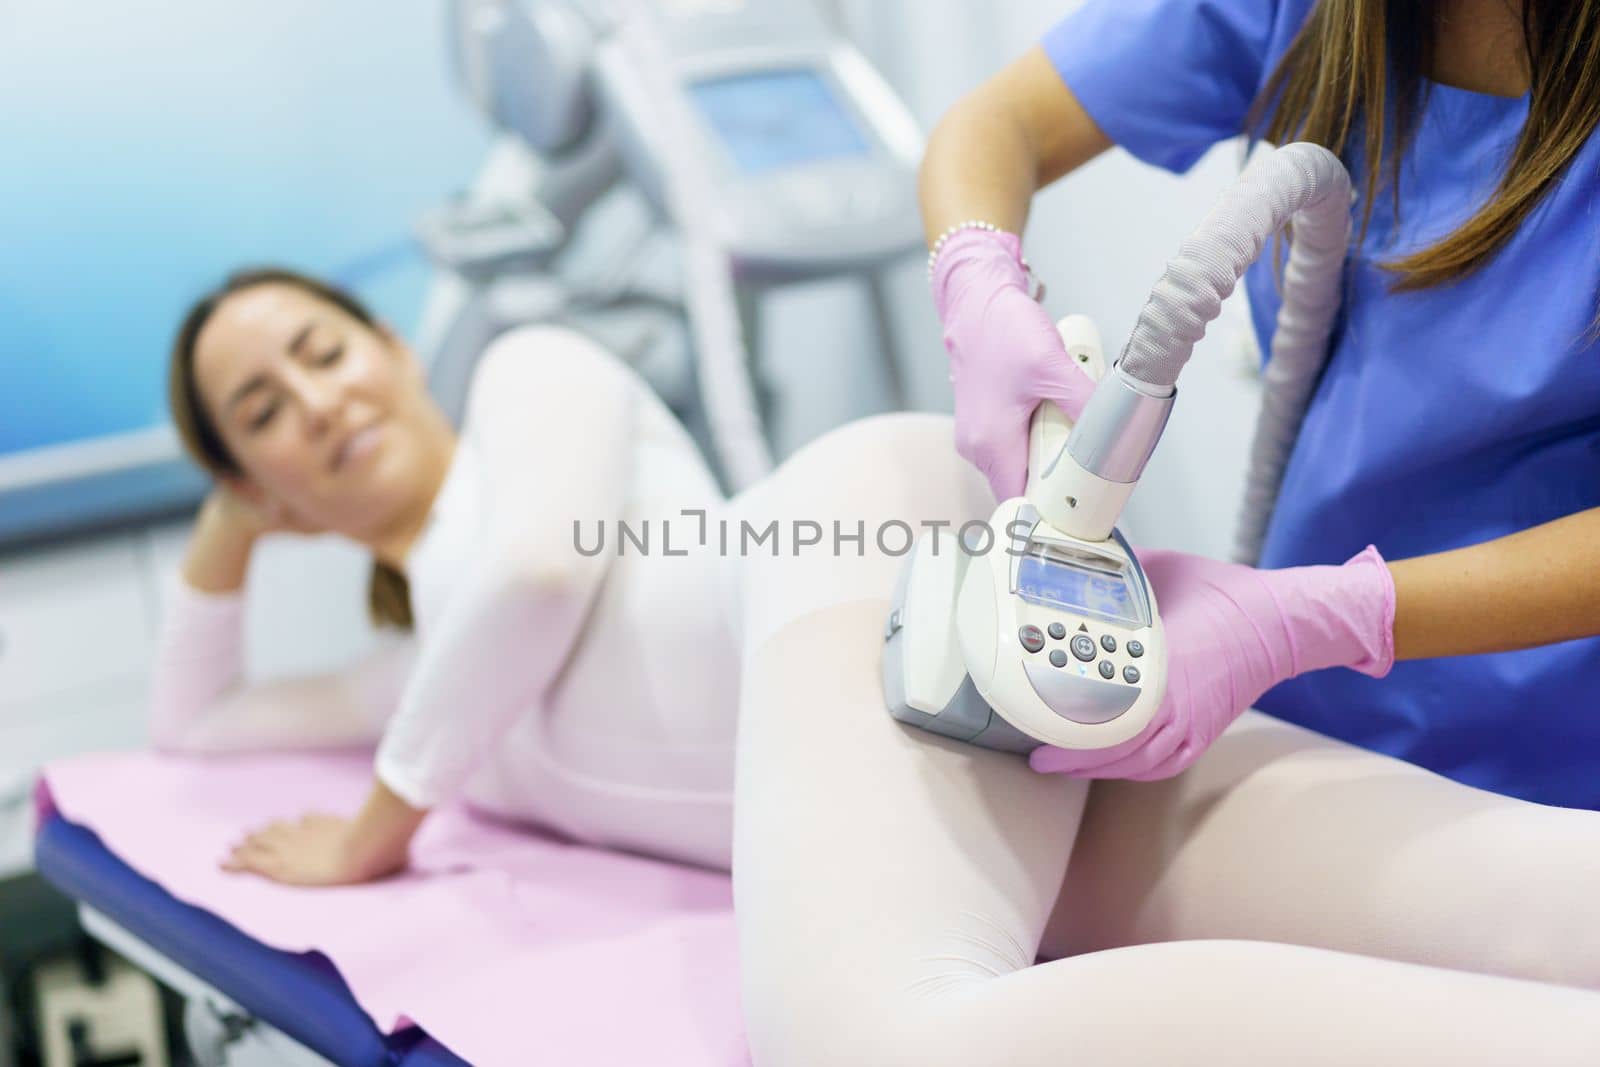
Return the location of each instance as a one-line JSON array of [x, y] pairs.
[[626, 739]]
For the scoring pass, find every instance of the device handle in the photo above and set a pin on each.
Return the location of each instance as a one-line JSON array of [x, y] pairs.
[[1049, 427]]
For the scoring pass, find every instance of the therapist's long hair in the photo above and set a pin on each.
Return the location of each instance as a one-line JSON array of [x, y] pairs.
[[388, 592], [1359, 65]]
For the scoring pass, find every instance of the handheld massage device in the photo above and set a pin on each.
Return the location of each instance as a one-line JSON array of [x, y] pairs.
[[1059, 629], [1048, 632]]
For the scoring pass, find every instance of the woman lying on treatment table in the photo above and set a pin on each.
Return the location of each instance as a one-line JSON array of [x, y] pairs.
[[894, 888], [590, 693]]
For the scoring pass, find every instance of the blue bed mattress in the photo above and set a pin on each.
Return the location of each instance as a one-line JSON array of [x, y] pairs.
[[300, 994]]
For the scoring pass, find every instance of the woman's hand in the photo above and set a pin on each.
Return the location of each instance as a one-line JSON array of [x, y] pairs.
[[329, 850], [225, 533], [1232, 633], [229, 512], [315, 850], [1005, 354]]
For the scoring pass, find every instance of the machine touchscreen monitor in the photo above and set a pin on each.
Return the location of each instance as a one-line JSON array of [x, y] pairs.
[[778, 119]]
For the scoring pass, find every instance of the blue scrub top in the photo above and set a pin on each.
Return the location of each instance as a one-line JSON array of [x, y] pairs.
[[1445, 418]]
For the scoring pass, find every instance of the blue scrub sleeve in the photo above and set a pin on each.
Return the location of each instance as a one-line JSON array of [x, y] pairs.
[[1167, 79]]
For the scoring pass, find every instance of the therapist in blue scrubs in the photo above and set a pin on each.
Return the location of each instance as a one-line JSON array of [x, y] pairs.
[[1457, 426]]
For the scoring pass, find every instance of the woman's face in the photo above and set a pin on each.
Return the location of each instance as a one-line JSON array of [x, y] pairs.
[[329, 419]]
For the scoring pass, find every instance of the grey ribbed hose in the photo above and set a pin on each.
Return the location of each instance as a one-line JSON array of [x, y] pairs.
[[1311, 297], [1300, 183]]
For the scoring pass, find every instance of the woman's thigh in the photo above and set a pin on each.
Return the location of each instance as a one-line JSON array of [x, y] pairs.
[[871, 859], [1281, 834], [881, 874]]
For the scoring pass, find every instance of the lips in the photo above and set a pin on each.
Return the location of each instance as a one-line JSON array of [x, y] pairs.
[[356, 447]]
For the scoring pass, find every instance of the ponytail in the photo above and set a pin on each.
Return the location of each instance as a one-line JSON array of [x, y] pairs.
[[389, 597]]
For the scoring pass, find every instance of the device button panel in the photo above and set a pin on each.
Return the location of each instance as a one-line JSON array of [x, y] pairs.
[[1094, 684]]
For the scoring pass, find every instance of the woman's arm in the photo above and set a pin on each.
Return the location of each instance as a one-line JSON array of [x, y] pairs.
[[199, 700], [552, 417], [1018, 131], [1534, 587], [1013, 135], [502, 637], [1237, 631]]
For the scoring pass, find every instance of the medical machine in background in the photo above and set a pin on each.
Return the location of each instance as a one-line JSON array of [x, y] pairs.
[[766, 152], [1050, 634]]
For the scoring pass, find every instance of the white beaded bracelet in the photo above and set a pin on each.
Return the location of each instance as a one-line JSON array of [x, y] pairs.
[[978, 224]]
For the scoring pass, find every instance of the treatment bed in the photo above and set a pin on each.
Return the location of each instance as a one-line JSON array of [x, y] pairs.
[[498, 945]]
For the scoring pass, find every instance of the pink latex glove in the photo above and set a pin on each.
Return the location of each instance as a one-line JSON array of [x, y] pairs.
[[1233, 632], [1005, 354]]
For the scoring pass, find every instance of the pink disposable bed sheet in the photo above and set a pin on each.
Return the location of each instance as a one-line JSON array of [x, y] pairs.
[[507, 946]]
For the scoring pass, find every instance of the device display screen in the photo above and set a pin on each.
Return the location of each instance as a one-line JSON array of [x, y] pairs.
[[1078, 589], [778, 119]]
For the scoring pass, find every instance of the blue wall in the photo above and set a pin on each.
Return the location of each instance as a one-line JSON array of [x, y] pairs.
[[148, 148]]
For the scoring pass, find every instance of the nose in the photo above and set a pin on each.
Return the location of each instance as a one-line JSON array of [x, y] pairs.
[[319, 401]]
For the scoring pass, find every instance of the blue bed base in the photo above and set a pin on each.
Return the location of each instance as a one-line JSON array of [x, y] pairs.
[[300, 994]]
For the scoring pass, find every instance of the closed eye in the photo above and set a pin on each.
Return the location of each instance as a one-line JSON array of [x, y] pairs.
[[260, 420], [331, 356]]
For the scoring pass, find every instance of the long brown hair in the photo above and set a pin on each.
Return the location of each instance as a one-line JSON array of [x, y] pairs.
[[1363, 63], [388, 592]]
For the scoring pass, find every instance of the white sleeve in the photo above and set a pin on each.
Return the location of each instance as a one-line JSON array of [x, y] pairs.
[[552, 417], [201, 703]]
